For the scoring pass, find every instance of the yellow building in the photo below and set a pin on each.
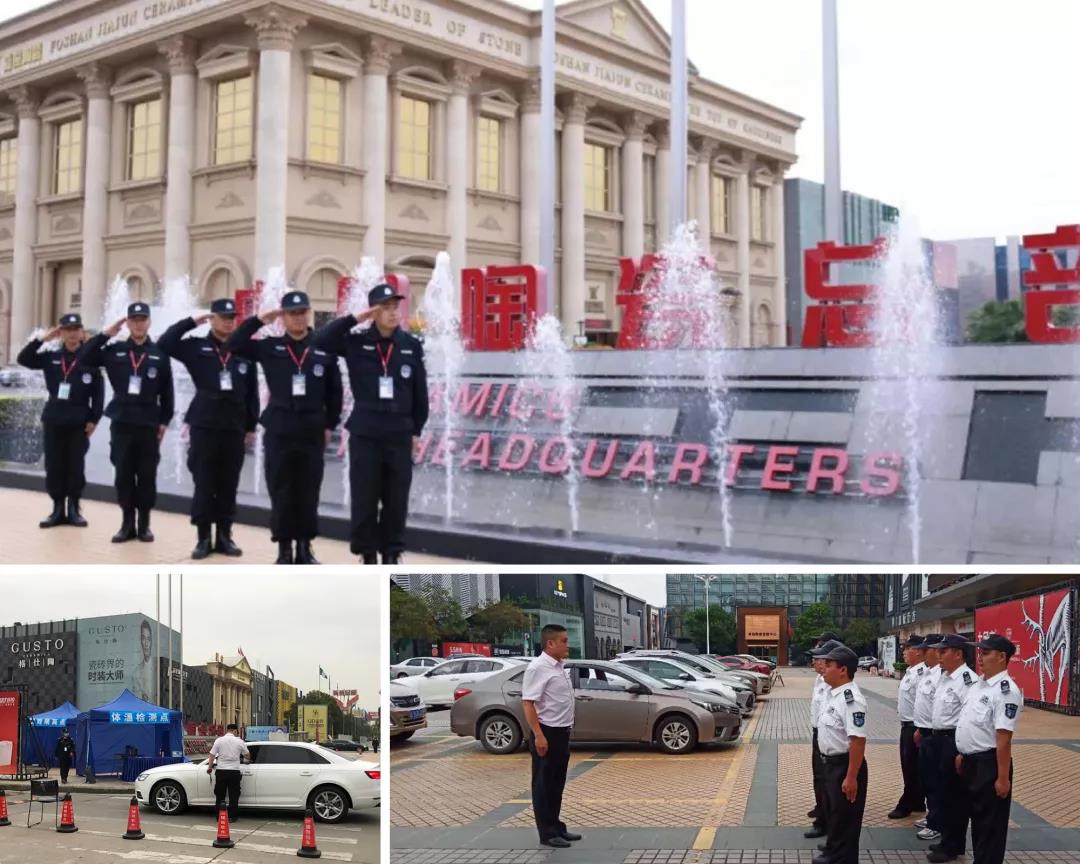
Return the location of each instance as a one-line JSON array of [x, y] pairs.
[[285, 698], [231, 677]]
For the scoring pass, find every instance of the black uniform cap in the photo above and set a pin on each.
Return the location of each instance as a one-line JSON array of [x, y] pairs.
[[224, 307], [823, 649], [71, 319], [295, 301], [382, 293], [914, 641], [932, 641], [828, 636], [997, 642], [842, 655], [138, 310], [954, 640]]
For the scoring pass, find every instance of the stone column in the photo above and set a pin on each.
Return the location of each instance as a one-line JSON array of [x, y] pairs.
[[573, 213], [661, 181], [530, 175], [633, 185], [457, 160], [776, 211], [276, 28], [742, 256], [377, 136], [96, 127], [28, 157], [180, 51], [703, 194]]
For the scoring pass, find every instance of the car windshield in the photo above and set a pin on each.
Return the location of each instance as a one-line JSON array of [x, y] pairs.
[[646, 679]]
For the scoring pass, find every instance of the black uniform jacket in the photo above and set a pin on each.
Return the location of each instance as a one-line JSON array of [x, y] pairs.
[[87, 395], [153, 404]]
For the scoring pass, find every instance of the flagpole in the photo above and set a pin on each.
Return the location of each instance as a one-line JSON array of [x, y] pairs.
[[678, 118], [834, 226], [181, 643], [157, 622], [170, 645], [547, 147]]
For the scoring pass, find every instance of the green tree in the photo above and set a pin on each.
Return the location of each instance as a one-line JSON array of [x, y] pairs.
[[721, 629], [997, 322], [410, 618], [496, 621], [862, 634], [446, 612], [815, 619]]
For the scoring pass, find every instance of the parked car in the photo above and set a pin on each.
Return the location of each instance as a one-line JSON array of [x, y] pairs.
[[613, 703], [764, 679], [285, 775], [754, 664], [407, 713], [750, 657], [674, 671], [706, 663], [869, 662], [345, 745], [414, 666], [14, 376], [436, 686]]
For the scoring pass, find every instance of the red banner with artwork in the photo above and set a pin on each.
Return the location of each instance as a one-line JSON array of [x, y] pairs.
[[1041, 627], [453, 649], [9, 731]]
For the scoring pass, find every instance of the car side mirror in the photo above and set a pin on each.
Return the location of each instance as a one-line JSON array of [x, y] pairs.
[[686, 676], [638, 689]]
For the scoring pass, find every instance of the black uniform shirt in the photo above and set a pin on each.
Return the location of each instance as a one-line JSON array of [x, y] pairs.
[[65, 747], [86, 396], [283, 357], [205, 358], [153, 404], [364, 354]]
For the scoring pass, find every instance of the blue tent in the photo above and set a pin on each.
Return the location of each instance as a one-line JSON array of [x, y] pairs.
[[126, 725], [39, 742]]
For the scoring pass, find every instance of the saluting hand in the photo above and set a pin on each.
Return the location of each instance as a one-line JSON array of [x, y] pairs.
[[850, 788], [270, 317], [367, 315], [52, 334], [200, 319], [1002, 787], [114, 328]]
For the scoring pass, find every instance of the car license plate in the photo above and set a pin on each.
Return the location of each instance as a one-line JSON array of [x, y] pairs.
[[416, 713]]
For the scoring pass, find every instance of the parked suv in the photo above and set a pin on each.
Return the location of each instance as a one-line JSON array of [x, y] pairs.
[[407, 712], [706, 663]]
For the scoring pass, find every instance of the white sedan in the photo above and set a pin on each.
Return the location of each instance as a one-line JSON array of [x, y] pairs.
[[284, 775], [436, 686], [414, 666]]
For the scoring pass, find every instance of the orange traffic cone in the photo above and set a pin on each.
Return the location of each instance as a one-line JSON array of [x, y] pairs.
[[4, 821], [222, 841], [308, 849], [134, 829], [67, 817]]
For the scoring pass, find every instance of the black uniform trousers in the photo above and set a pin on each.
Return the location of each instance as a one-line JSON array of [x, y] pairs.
[[549, 780], [65, 459], [135, 452], [989, 813], [65, 767], [930, 776], [227, 780], [844, 817], [913, 798], [380, 473], [294, 473], [818, 766], [954, 803], [215, 459]]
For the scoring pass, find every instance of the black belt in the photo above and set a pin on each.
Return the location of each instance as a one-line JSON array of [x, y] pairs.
[[924, 730], [835, 759], [946, 732], [982, 754], [905, 723]]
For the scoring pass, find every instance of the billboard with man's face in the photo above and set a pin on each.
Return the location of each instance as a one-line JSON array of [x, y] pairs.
[[119, 652]]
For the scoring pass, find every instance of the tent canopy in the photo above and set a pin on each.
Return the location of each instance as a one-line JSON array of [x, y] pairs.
[[127, 725], [39, 742]]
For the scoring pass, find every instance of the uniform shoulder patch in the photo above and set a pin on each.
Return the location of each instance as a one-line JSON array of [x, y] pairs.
[[858, 717], [1010, 710], [849, 697], [968, 681], [1004, 685]]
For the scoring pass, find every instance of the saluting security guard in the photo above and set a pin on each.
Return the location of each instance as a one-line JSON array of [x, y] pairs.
[[957, 679], [304, 409], [912, 800], [390, 408], [984, 740], [222, 419], [71, 414], [842, 741], [928, 746], [825, 643], [140, 410]]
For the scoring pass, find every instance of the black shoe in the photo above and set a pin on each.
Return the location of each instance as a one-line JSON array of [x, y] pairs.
[[556, 842], [934, 847], [371, 559], [897, 813], [812, 814], [74, 514], [57, 516], [821, 847], [815, 832], [304, 553], [391, 558], [143, 531], [940, 857], [571, 836], [127, 528], [284, 555], [224, 544], [201, 550]]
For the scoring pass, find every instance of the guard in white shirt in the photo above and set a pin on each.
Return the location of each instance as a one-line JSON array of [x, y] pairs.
[[912, 800], [842, 741], [984, 739], [953, 690], [826, 642], [929, 758], [547, 698], [227, 755]]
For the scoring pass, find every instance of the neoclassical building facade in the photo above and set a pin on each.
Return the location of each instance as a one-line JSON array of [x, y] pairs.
[[218, 138]]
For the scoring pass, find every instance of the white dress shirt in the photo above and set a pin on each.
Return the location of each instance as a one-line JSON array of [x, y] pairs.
[[843, 716], [227, 751], [924, 697], [905, 697], [950, 696], [818, 700], [547, 685], [994, 703]]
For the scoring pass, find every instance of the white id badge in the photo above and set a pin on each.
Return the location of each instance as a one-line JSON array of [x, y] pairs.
[[386, 387], [63, 391], [299, 385], [134, 385], [224, 380]]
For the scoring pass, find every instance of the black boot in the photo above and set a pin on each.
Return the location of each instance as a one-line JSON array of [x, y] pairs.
[[202, 547], [127, 528], [391, 558], [304, 553], [225, 545], [370, 558], [56, 517], [284, 555], [74, 514], [143, 531]]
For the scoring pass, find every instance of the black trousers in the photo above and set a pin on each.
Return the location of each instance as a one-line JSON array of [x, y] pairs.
[[227, 780], [215, 459], [549, 780], [844, 817], [294, 472], [913, 798], [65, 767], [380, 476], [930, 777], [989, 813], [135, 452], [954, 803], [821, 805], [65, 460]]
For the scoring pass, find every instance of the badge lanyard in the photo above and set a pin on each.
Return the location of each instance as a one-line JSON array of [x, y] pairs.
[[386, 383], [64, 390], [135, 382], [224, 376], [299, 381]]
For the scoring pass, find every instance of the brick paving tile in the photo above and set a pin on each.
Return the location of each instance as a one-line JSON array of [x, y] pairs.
[[468, 856], [805, 856], [1044, 781]]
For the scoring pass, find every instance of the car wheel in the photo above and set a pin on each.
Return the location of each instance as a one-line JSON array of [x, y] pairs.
[[676, 734], [500, 734], [329, 804], [401, 675], [404, 736], [168, 798]]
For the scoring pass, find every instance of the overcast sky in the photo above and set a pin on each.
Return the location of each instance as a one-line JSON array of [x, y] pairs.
[[650, 587], [293, 622], [962, 113]]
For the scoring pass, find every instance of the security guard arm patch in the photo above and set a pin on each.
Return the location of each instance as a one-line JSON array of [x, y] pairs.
[[1010, 710], [859, 717]]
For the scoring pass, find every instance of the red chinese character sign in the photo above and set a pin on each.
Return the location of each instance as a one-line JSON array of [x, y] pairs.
[[398, 281], [499, 305], [1046, 281], [843, 316]]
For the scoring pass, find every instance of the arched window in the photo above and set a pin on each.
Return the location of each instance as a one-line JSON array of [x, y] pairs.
[[220, 283], [762, 326], [322, 288]]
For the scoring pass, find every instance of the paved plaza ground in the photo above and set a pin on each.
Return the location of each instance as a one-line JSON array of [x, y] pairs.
[[452, 803]]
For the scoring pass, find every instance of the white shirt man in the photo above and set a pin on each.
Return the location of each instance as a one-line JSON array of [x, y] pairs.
[[843, 717], [547, 685], [993, 703], [909, 685], [923, 709], [225, 756], [949, 697], [227, 752]]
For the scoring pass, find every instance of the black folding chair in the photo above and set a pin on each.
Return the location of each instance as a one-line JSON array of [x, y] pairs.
[[44, 792]]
